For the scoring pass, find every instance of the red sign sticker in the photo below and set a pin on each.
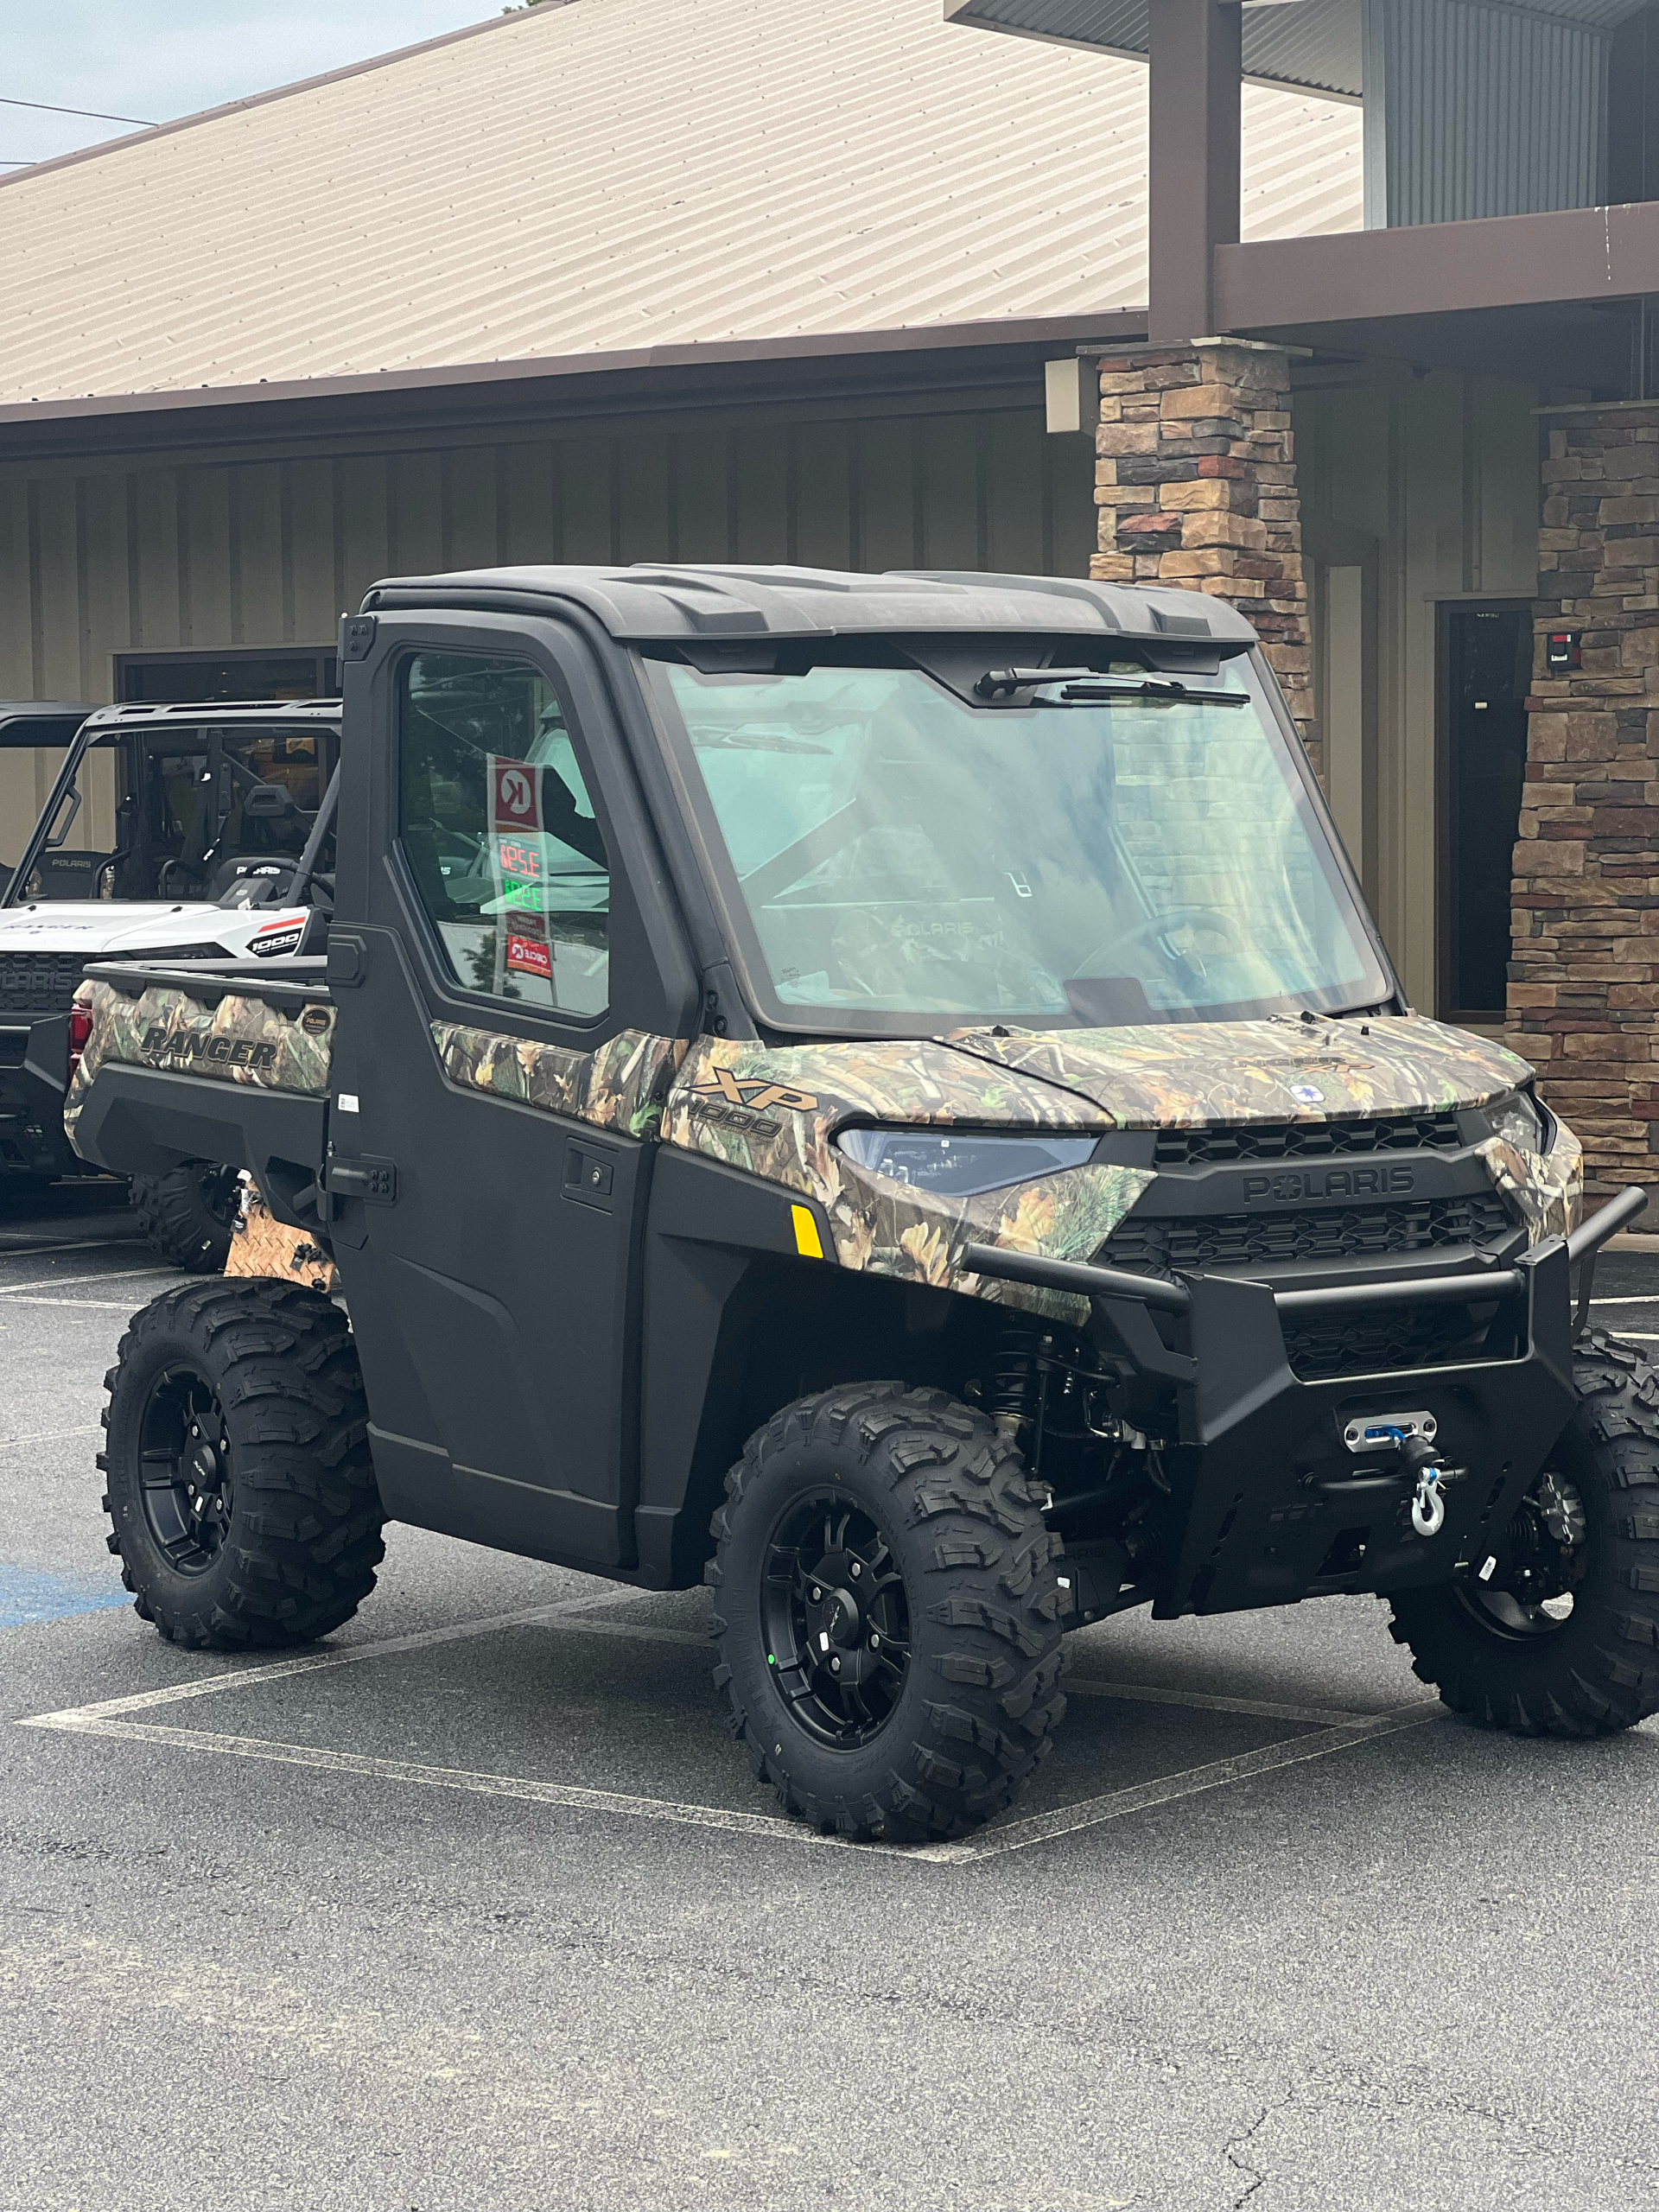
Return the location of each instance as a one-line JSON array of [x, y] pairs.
[[517, 796], [528, 957]]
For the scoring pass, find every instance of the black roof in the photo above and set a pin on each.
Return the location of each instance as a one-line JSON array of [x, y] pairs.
[[40, 721], [653, 601]]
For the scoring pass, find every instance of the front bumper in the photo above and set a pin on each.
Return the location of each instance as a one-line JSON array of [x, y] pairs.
[[1267, 1504], [33, 1077]]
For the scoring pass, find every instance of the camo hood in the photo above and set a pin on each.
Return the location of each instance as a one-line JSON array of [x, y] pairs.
[[1182, 1075], [773, 1111]]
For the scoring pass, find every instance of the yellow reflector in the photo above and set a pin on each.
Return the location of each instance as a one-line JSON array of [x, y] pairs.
[[808, 1243]]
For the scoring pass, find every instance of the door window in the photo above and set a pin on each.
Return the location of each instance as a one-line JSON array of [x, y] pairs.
[[499, 834]]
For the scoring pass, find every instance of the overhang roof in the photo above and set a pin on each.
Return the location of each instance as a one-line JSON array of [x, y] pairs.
[[580, 182], [1317, 44]]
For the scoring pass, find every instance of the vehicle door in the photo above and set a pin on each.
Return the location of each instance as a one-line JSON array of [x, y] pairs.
[[509, 1007]]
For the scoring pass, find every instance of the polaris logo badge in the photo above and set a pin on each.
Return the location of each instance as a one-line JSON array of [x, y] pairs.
[[1307, 1094], [1328, 1183]]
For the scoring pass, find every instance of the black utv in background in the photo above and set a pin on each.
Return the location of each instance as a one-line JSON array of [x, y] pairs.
[[880, 1093]]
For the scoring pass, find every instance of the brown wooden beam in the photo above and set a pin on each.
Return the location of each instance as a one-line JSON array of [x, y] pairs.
[[1579, 254], [1193, 129]]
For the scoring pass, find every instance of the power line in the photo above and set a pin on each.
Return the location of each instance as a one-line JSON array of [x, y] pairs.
[[45, 107]]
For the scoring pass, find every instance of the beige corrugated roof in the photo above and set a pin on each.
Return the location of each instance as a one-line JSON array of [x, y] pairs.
[[611, 175]]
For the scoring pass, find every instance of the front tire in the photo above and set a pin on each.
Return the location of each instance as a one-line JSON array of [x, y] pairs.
[[887, 1614], [1567, 1643], [185, 1216], [242, 1496]]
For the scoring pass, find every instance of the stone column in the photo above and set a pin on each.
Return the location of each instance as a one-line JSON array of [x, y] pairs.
[[1196, 484], [1584, 982]]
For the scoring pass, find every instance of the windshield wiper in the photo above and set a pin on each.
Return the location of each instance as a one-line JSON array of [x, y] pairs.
[[1080, 686]]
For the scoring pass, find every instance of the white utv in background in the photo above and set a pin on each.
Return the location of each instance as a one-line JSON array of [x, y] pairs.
[[218, 823]]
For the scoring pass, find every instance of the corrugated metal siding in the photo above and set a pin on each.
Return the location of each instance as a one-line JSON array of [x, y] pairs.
[[1478, 111], [213, 555], [1312, 43], [611, 175]]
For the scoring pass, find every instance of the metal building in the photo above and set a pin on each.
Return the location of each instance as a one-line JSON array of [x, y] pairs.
[[834, 281]]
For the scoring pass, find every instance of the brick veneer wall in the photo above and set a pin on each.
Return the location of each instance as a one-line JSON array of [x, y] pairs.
[[1196, 484], [1585, 977]]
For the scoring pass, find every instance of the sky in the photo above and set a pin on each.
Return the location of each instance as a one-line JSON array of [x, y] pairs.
[[154, 60]]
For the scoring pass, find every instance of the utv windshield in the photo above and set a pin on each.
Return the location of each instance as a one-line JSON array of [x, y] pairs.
[[894, 854], [181, 813]]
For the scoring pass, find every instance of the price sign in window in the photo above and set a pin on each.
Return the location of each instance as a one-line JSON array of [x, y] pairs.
[[498, 831]]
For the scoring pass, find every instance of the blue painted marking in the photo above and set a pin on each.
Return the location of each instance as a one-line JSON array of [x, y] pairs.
[[34, 1593]]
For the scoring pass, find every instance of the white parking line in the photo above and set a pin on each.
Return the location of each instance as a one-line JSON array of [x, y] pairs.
[[107, 1718], [1042, 1827], [69, 1282], [83, 1305], [565, 1794], [86, 1244], [1652, 1298], [1142, 1692]]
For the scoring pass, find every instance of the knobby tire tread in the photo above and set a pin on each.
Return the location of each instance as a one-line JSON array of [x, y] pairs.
[[305, 1539], [981, 1566], [174, 1222], [1605, 1676]]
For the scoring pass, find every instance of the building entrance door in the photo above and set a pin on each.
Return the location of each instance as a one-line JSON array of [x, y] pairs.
[[1485, 665]]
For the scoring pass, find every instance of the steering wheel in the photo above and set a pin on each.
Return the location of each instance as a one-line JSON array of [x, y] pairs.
[[1155, 925]]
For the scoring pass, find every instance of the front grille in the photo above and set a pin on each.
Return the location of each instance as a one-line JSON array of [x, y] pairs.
[[1373, 1343], [1155, 1244], [38, 983], [1227, 1143]]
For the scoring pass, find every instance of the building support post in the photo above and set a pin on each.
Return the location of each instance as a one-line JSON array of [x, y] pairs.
[[1193, 127], [1584, 980], [1196, 484]]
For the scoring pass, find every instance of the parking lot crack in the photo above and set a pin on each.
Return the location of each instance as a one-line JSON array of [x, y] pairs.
[[1242, 2166]]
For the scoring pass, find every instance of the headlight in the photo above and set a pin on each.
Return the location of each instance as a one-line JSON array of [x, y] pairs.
[[1520, 1120], [962, 1164]]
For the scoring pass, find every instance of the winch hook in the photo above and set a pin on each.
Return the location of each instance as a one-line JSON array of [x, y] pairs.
[[1428, 1500]]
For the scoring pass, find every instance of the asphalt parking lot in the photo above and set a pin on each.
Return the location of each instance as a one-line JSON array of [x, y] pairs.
[[475, 1906]]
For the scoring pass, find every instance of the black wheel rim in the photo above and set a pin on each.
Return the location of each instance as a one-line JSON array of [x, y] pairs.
[[185, 1470], [1546, 1558], [836, 1616]]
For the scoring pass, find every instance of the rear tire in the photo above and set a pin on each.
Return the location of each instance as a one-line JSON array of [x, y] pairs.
[[1517, 1658], [242, 1496], [887, 1614], [186, 1215]]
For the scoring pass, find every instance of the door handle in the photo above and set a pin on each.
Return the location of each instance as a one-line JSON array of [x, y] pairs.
[[375, 1181], [589, 1175]]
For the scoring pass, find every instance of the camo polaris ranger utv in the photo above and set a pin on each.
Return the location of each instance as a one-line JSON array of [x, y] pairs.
[[880, 1093]]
